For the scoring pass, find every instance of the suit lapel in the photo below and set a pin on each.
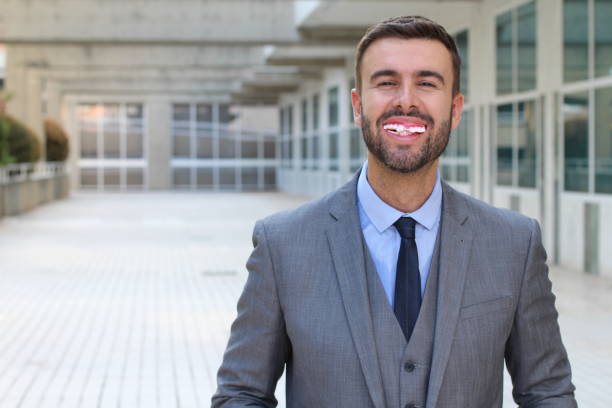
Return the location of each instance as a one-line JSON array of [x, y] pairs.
[[455, 247], [346, 245]]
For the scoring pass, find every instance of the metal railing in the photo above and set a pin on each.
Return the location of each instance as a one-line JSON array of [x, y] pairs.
[[15, 173]]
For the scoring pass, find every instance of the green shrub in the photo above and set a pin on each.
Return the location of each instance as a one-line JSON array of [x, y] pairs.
[[18, 143], [57, 141]]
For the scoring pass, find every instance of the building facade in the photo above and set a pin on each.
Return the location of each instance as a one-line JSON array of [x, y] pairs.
[[255, 95]]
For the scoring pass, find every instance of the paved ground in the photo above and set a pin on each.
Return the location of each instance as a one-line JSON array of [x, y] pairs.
[[125, 300]]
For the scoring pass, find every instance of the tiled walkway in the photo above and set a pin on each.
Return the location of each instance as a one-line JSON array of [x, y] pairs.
[[125, 300]]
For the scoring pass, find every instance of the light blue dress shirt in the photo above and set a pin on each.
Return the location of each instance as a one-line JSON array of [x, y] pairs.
[[383, 240]]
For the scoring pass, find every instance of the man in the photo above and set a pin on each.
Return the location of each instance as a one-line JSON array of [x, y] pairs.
[[396, 290]]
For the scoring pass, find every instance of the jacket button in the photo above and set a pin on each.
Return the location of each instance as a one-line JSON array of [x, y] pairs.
[[409, 366]]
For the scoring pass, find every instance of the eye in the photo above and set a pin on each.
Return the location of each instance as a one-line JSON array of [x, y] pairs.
[[427, 84], [386, 84]]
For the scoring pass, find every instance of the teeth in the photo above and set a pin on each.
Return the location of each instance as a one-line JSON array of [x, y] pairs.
[[404, 130]]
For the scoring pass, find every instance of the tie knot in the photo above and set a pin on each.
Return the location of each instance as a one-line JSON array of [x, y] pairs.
[[405, 227]]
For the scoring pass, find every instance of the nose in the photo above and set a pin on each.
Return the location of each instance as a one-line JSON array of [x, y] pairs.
[[406, 98]]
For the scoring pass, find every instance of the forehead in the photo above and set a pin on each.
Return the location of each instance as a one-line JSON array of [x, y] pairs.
[[405, 56]]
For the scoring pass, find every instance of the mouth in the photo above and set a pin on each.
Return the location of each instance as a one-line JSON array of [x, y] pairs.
[[405, 130]]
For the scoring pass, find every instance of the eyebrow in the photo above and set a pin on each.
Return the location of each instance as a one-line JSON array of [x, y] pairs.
[[428, 73], [422, 73]]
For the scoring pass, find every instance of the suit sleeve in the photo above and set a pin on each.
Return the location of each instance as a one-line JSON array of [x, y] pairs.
[[258, 346], [535, 356]]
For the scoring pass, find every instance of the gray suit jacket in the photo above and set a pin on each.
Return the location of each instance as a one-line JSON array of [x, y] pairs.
[[305, 307]]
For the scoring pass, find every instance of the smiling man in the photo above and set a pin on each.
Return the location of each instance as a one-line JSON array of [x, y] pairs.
[[396, 290]]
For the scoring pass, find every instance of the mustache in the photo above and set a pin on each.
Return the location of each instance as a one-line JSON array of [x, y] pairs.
[[415, 113]]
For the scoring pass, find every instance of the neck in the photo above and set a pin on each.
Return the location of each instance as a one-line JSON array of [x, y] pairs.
[[406, 192]]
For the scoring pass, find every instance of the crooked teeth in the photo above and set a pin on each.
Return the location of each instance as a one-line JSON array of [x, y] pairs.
[[404, 130]]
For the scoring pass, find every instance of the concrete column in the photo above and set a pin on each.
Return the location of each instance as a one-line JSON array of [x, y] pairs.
[[158, 143]]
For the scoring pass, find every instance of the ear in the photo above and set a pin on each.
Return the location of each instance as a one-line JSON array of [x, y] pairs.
[[356, 102], [457, 108]]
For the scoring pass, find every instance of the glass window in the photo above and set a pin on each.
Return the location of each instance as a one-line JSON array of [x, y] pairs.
[[204, 177], [112, 178], [181, 146], [227, 178], [134, 178], [603, 140], [462, 46], [269, 177], [181, 177], [504, 63], [89, 177], [603, 38], [464, 130], [180, 112], [575, 40], [526, 33], [333, 151], [204, 112], [333, 107], [227, 144], [526, 144], [134, 145], [504, 145], [576, 130], [249, 145], [225, 116], [356, 148], [269, 146], [249, 178], [304, 115], [315, 111], [204, 145], [89, 144]]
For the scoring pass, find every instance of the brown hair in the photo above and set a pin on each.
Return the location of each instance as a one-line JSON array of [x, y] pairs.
[[408, 27]]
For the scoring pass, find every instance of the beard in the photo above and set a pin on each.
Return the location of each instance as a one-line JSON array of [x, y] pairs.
[[401, 158]]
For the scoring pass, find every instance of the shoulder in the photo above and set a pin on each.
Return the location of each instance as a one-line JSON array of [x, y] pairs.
[[309, 216], [487, 219]]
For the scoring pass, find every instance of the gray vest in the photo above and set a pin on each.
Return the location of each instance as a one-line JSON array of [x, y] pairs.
[[404, 366]]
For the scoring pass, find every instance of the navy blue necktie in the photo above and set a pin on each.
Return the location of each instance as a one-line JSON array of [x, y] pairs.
[[407, 301]]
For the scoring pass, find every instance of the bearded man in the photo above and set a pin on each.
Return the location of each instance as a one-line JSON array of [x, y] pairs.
[[396, 290]]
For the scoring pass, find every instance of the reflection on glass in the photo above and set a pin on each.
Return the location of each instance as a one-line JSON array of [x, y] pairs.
[[504, 52], [603, 140], [575, 40], [504, 145], [333, 106], [269, 147], [461, 40], [526, 31], [315, 151], [603, 38], [526, 144], [576, 129]]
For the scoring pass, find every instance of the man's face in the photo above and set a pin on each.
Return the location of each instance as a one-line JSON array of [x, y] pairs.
[[406, 108]]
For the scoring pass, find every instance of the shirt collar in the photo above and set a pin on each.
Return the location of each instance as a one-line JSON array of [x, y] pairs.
[[382, 215]]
